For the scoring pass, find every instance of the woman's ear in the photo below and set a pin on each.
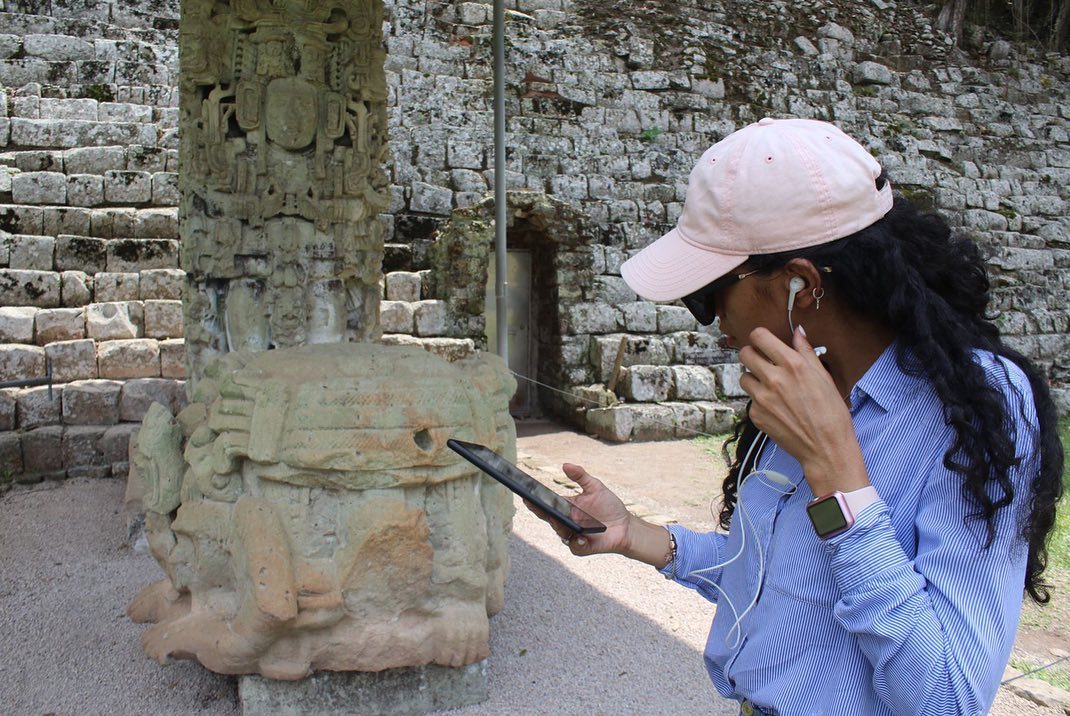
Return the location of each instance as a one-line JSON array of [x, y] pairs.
[[804, 283]]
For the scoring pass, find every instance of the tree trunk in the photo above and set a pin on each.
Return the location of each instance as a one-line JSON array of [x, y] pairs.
[[952, 16], [1060, 32]]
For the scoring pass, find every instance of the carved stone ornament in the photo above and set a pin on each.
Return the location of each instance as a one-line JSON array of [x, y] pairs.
[[284, 139], [309, 516]]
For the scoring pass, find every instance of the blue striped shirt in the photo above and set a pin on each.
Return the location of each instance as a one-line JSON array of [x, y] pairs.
[[906, 612]]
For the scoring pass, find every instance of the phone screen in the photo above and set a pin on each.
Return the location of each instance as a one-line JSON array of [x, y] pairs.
[[526, 486]]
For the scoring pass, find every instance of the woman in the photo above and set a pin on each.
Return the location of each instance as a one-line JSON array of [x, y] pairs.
[[895, 479]]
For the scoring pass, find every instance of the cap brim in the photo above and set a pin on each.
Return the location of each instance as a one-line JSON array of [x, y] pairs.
[[672, 267]]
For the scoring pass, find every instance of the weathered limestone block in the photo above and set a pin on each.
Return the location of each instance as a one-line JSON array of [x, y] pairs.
[[42, 453], [10, 455], [109, 287], [652, 422], [672, 319], [59, 324], [85, 189], [7, 408], [347, 535], [719, 419], [173, 358], [82, 453], [113, 321], [93, 160], [613, 423], [114, 446], [592, 318], [693, 382], [430, 317], [18, 362], [136, 358], [138, 394], [647, 383], [16, 324], [75, 288], [640, 317], [638, 350], [162, 284], [728, 375], [33, 253], [39, 188], [448, 349], [36, 407], [396, 317], [73, 360], [91, 402], [688, 420], [698, 348], [29, 288], [130, 255], [403, 286], [123, 187], [871, 73], [80, 253], [163, 319]]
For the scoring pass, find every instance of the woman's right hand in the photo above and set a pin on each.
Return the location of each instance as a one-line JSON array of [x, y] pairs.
[[599, 502]]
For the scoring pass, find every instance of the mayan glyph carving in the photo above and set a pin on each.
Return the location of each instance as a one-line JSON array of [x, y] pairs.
[[309, 516], [284, 137]]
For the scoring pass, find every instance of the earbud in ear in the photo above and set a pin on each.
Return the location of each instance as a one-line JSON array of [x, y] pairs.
[[794, 286]]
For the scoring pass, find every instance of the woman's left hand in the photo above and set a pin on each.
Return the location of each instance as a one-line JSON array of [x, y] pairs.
[[796, 402]]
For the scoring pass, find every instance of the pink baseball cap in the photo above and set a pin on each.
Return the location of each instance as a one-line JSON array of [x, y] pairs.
[[776, 185]]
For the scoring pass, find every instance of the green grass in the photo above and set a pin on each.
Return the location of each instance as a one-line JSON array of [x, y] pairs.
[[1055, 614], [712, 445], [1058, 675]]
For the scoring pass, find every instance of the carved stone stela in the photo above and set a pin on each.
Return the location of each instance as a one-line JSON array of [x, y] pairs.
[[284, 136], [309, 516]]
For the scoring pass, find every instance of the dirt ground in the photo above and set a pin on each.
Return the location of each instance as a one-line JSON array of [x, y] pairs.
[[679, 481]]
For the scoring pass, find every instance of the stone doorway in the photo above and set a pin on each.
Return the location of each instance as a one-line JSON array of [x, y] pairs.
[[550, 261]]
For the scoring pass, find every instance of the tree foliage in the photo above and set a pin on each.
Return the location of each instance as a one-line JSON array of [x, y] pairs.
[[1038, 22]]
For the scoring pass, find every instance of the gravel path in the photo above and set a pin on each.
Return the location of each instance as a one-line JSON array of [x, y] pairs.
[[577, 636]]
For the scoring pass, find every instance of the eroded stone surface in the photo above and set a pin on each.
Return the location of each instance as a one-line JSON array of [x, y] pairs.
[[309, 515], [283, 174]]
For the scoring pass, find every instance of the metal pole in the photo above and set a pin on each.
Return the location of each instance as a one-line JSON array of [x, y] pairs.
[[499, 182]]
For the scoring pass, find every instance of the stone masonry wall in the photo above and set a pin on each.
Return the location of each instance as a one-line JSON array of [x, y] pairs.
[[90, 286], [608, 105]]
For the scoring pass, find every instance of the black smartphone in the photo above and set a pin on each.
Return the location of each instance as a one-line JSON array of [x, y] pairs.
[[526, 486]]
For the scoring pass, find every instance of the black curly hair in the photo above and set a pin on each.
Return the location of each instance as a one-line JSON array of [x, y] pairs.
[[910, 273]]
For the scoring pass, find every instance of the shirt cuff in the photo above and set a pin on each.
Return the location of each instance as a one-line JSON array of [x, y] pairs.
[[868, 549]]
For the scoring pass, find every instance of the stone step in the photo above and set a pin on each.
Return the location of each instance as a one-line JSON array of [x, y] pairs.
[[70, 133], [659, 421], [104, 223], [88, 402], [112, 188], [25, 105], [91, 160], [90, 19]]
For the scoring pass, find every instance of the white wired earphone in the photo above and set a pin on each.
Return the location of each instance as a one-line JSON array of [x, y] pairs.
[[745, 523], [796, 285]]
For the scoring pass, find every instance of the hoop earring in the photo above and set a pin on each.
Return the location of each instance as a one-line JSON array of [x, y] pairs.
[[818, 294]]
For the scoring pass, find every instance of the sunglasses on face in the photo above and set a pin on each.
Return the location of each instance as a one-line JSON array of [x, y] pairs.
[[702, 303]]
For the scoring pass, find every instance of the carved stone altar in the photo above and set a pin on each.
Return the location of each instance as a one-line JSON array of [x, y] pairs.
[[304, 507], [317, 520]]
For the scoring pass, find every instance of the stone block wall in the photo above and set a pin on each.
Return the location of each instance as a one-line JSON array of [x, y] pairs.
[[90, 285], [609, 104]]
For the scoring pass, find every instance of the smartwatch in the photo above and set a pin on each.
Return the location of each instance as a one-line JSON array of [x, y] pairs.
[[834, 513]]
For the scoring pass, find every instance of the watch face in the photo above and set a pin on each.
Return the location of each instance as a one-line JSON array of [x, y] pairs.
[[827, 516]]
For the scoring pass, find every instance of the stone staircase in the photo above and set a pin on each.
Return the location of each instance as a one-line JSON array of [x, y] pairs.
[[90, 285]]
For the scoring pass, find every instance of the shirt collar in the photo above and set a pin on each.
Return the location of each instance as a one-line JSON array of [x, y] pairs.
[[884, 382]]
